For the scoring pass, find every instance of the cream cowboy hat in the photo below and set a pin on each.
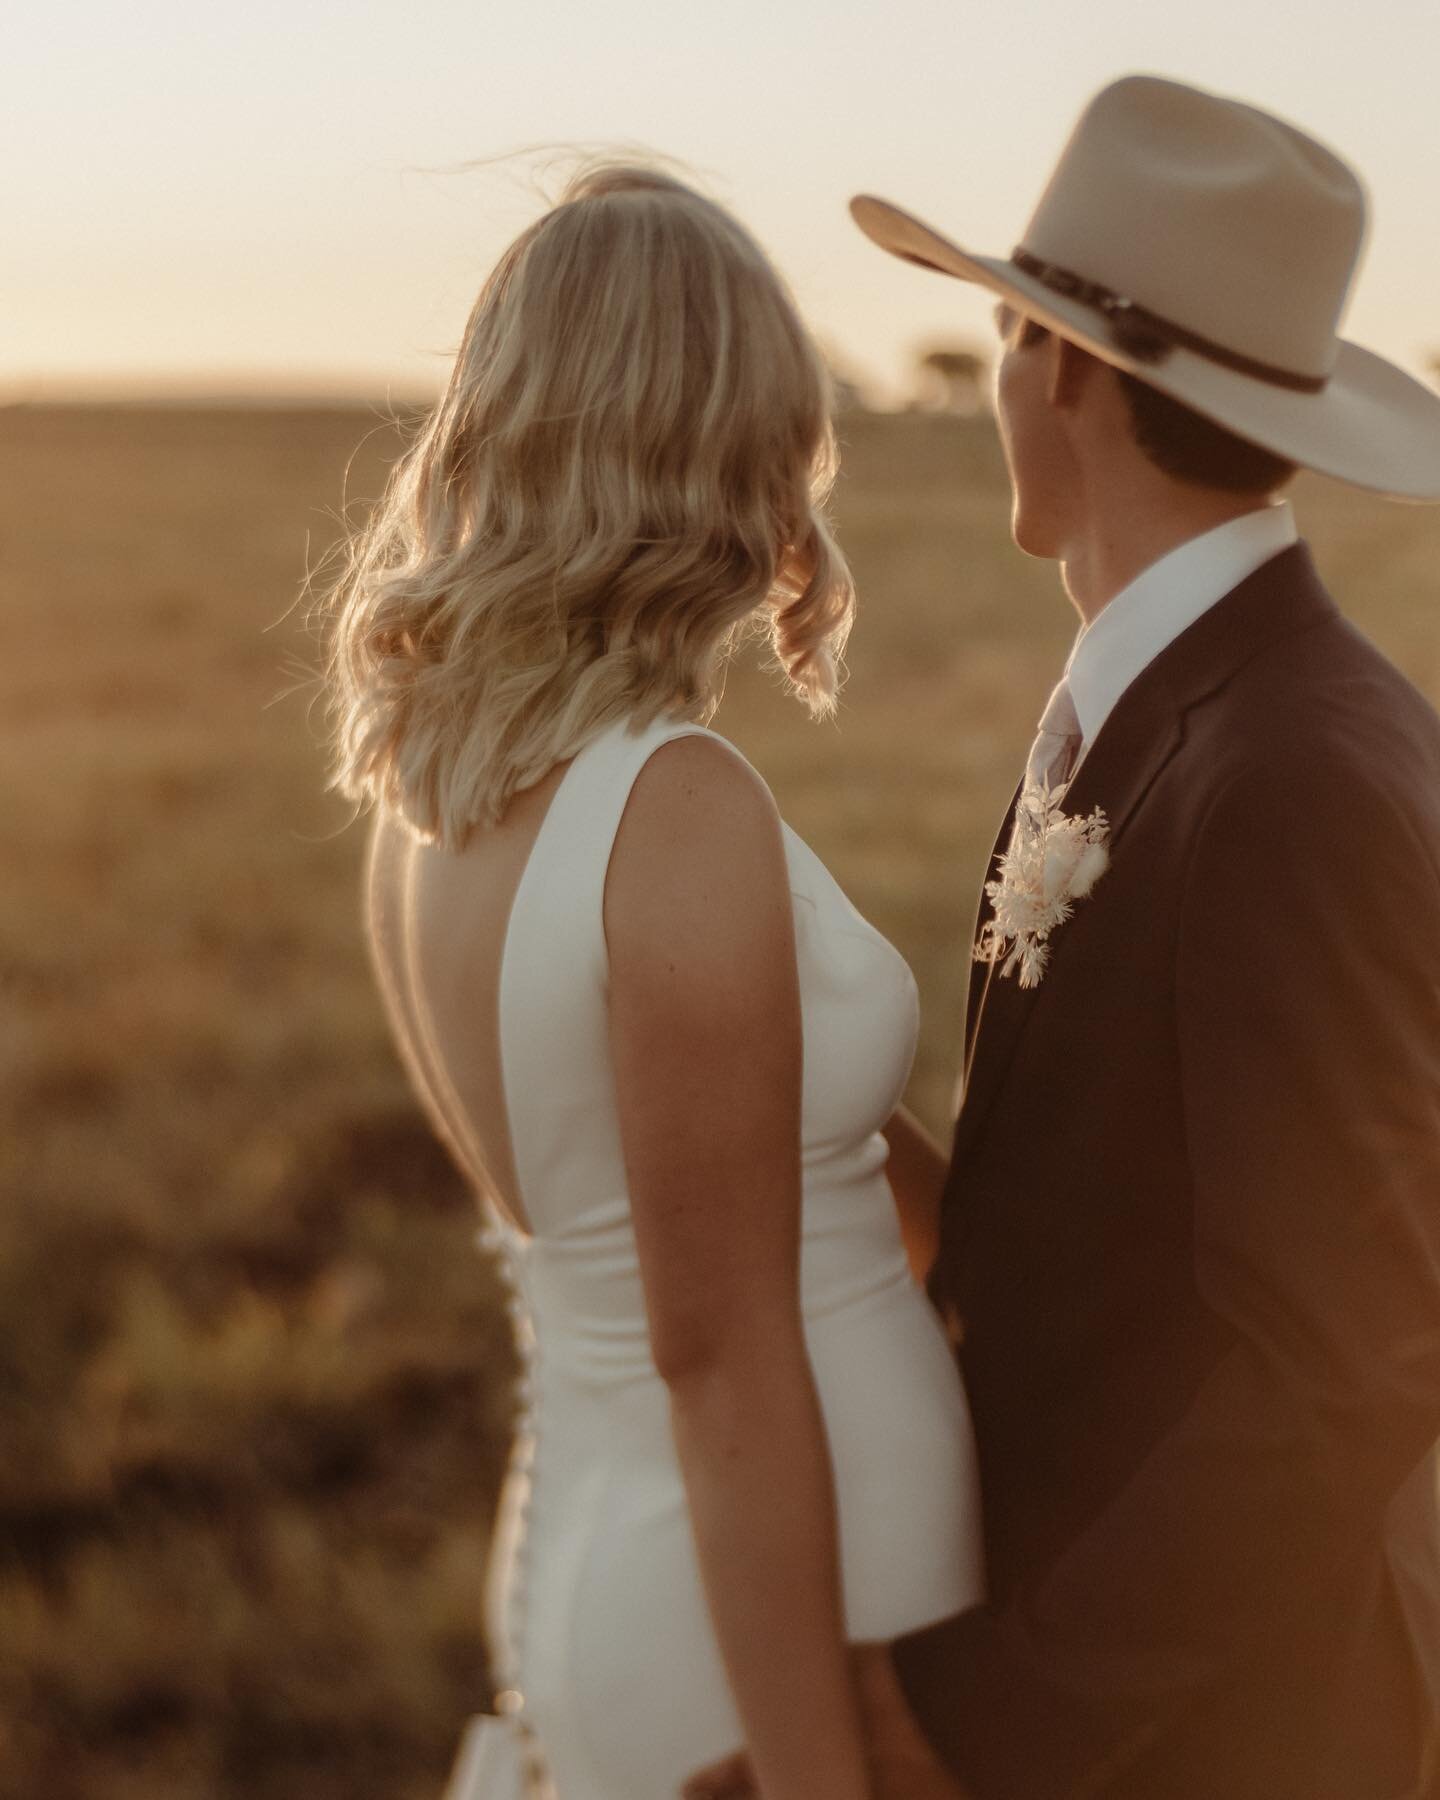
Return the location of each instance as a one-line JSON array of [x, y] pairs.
[[1208, 248]]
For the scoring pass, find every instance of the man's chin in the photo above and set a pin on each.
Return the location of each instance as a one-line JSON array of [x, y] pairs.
[[1033, 540]]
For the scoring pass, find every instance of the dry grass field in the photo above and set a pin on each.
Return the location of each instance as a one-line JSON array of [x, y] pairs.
[[253, 1372]]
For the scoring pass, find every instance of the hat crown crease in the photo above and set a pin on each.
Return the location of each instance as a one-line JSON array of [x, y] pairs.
[[1206, 211]]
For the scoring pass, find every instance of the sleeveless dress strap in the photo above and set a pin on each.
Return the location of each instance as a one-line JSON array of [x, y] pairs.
[[577, 837], [554, 974]]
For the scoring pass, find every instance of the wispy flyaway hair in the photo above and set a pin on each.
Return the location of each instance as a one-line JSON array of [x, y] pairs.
[[628, 468]]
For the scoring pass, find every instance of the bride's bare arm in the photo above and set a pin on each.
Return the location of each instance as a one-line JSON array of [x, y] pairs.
[[917, 1169], [706, 1037]]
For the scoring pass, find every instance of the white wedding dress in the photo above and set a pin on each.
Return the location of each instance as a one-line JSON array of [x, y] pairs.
[[595, 1609]]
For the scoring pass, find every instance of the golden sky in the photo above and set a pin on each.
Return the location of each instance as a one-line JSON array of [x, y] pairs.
[[266, 197]]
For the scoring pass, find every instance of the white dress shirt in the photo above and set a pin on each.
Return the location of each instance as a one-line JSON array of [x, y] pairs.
[[1162, 601]]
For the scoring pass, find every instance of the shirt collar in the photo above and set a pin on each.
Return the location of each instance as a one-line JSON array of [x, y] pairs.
[[1147, 615]]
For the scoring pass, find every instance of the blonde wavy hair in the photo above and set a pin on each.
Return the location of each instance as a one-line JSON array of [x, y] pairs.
[[627, 473]]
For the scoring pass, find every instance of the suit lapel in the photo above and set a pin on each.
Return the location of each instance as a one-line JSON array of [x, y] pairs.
[[1116, 775], [974, 999], [1142, 734]]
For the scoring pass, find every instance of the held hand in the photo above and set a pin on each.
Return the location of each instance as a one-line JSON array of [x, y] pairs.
[[902, 1764], [730, 1779]]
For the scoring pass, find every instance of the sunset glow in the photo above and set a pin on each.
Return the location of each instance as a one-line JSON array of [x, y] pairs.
[[272, 199]]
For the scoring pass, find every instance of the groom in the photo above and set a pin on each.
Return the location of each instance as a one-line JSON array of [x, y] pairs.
[[1190, 1239]]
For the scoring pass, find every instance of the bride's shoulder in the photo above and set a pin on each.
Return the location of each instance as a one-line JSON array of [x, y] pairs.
[[691, 767], [698, 813]]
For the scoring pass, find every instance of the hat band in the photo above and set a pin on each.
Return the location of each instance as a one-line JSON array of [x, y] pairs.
[[1149, 338]]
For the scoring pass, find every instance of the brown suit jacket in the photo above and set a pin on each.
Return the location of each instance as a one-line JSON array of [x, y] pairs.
[[1191, 1236]]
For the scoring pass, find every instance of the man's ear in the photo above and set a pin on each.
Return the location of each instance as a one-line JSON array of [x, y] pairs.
[[1071, 371]]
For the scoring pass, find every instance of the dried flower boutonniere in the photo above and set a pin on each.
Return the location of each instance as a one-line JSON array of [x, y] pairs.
[[1053, 861]]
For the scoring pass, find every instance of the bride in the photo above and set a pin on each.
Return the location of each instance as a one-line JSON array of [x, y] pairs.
[[662, 1044]]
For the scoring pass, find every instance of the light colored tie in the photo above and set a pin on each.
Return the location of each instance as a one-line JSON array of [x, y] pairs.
[[1056, 749]]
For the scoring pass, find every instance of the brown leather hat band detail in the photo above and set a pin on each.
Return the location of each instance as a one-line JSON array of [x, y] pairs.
[[1149, 338]]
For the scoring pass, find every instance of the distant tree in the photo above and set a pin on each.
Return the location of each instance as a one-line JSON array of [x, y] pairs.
[[953, 378], [849, 393], [849, 397]]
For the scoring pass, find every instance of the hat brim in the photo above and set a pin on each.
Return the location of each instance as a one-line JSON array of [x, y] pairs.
[[1374, 425]]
